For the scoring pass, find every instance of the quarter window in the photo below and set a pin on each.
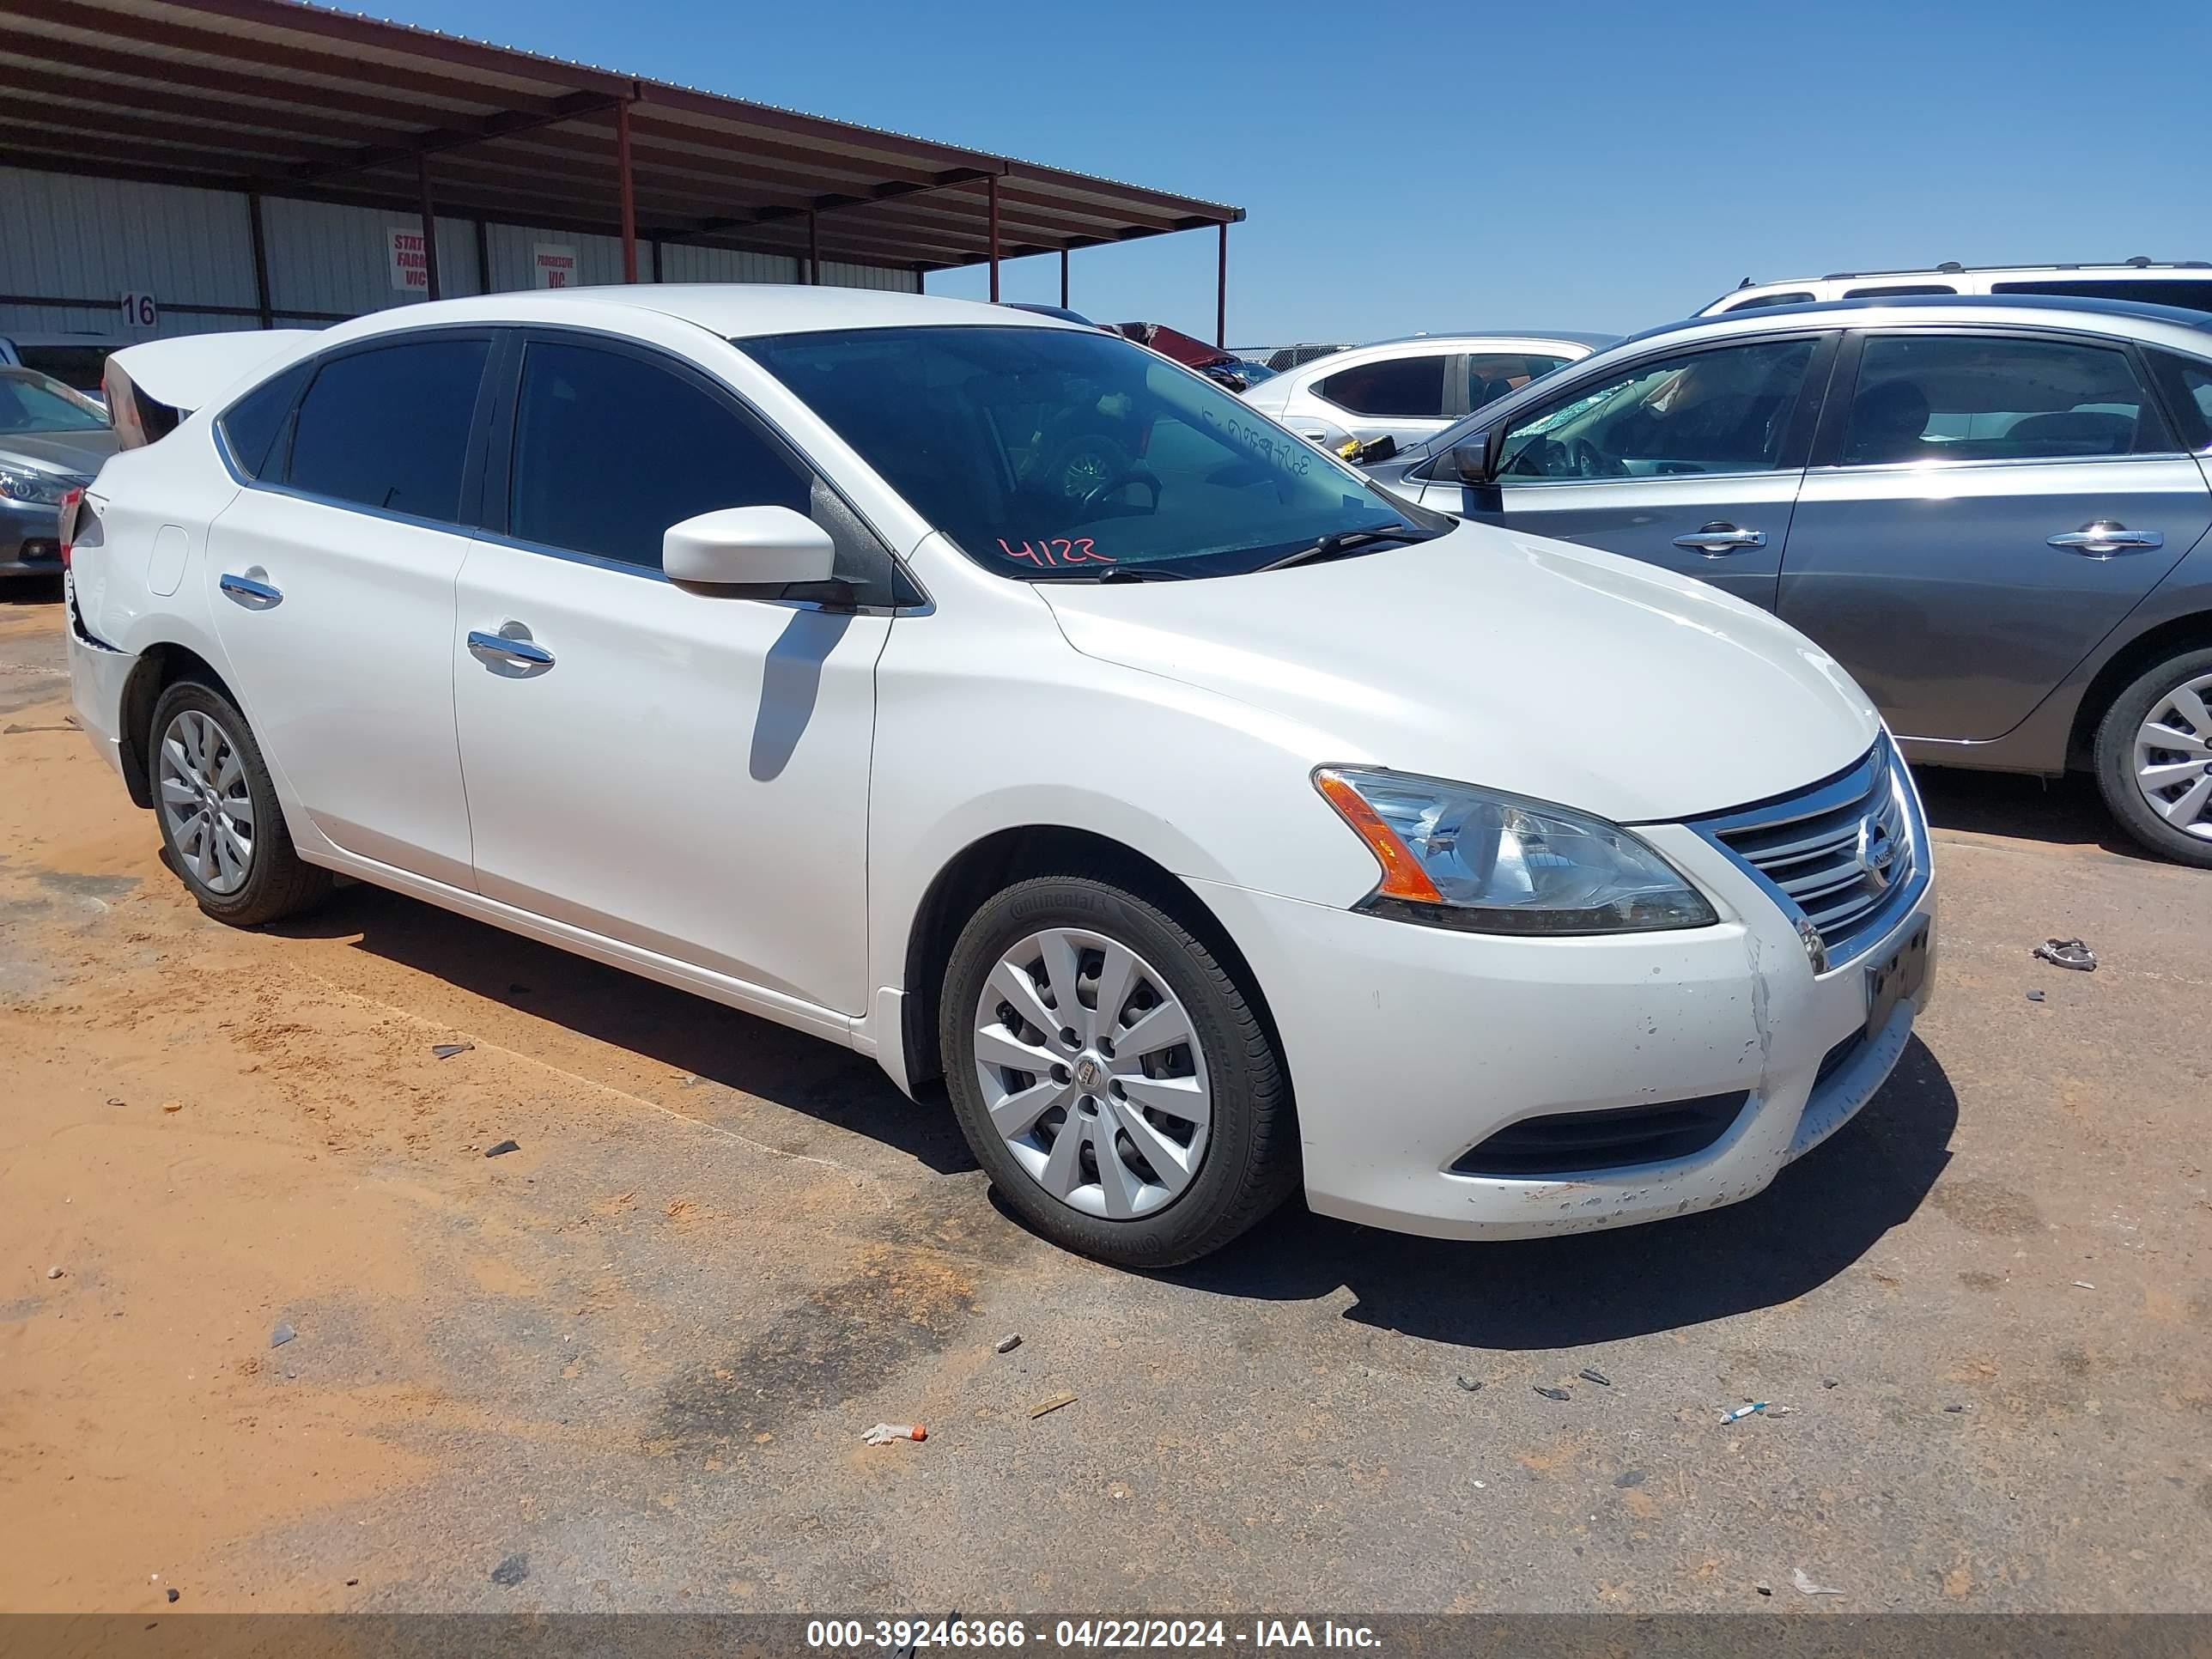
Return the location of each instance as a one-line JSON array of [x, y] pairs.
[[1410, 388], [1993, 397], [1724, 410], [1761, 301], [389, 428], [609, 450], [2190, 293], [250, 426]]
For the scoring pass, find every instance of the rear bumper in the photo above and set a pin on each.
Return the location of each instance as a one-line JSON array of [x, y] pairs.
[[98, 674], [1408, 1046]]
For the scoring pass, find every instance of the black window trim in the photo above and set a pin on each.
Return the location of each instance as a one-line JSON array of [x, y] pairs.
[[279, 466], [905, 592], [1796, 437], [1828, 441]]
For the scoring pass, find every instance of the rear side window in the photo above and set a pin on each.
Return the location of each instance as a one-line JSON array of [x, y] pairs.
[[389, 428], [1997, 398], [2190, 293], [1412, 387], [250, 426], [1898, 290], [77, 367], [609, 450]]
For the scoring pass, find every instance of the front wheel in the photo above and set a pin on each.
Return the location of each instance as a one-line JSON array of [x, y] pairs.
[[2155, 758], [1111, 1075], [218, 814]]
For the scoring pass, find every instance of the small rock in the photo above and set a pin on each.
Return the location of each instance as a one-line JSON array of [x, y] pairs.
[[1955, 1408], [1828, 1382], [53, 1273], [2035, 996], [172, 1592], [1764, 1590], [350, 1583], [1472, 1384], [1598, 1378], [117, 1100], [281, 1335], [448, 1050], [1009, 1342], [503, 1149], [511, 1571], [1630, 1478], [2083, 1284], [1554, 1393]]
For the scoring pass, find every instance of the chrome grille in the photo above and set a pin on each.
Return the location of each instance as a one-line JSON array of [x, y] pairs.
[[1848, 854]]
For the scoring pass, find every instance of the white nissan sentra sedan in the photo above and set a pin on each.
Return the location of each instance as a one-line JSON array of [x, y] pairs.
[[1215, 828]]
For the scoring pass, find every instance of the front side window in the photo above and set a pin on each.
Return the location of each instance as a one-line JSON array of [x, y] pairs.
[[388, 428], [1992, 398], [1722, 410], [1490, 377], [609, 450], [1410, 388], [33, 403], [1049, 454]]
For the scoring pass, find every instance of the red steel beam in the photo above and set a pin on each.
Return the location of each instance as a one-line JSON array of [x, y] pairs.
[[429, 225], [994, 238], [628, 193], [1221, 292]]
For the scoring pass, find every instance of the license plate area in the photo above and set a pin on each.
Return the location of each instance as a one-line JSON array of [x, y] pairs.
[[1897, 976]]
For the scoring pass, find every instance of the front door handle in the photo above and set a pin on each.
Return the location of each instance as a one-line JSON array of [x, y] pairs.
[[504, 650], [2103, 538], [1719, 539], [251, 590]]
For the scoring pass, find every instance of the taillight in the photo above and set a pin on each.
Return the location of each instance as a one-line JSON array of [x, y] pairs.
[[70, 501]]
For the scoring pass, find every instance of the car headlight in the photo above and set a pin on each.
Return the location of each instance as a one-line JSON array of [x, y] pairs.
[[20, 484], [1457, 856]]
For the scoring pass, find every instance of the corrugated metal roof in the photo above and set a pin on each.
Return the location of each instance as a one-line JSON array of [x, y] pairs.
[[312, 102]]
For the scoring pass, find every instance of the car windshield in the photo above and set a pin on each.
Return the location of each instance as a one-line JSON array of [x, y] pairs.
[[31, 402], [1050, 454]]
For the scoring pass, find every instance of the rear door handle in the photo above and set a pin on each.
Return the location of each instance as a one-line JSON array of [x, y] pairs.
[[250, 591], [495, 650], [1719, 539], [2103, 538]]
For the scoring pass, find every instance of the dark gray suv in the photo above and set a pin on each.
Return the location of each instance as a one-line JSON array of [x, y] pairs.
[[1992, 512]]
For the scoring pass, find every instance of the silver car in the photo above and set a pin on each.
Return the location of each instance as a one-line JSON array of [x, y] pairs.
[[1992, 512], [1410, 390], [53, 440]]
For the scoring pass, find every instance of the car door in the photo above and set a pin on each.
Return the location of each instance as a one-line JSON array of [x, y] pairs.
[[333, 573], [1404, 394], [1985, 506], [683, 771], [1689, 458]]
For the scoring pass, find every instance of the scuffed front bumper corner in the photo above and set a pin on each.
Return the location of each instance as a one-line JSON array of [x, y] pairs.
[[99, 673]]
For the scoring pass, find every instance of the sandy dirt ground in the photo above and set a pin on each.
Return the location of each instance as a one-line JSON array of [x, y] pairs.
[[629, 1365]]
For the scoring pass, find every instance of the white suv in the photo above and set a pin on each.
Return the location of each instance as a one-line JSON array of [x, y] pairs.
[[1231, 825], [2187, 284]]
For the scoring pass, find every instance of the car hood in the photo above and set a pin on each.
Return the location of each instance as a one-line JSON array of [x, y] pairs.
[[1513, 661], [79, 454]]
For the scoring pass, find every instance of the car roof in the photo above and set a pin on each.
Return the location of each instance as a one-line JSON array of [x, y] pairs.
[[2134, 316], [2106, 268], [732, 310], [109, 340], [1434, 336]]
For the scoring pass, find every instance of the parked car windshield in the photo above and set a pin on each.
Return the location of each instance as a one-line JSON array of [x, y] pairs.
[[31, 402], [1046, 453]]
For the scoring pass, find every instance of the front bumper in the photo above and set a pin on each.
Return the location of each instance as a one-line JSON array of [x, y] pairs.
[[30, 539], [1409, 1045]]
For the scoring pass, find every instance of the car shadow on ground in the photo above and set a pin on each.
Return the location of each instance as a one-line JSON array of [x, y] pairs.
[[2064, 812], [1822, 1213], [715, 1044], [30, 590]]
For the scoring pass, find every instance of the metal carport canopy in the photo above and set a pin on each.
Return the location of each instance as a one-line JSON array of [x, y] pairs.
[[275, 98]]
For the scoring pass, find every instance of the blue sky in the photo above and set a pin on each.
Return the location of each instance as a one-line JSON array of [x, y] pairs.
[[1598, 164]]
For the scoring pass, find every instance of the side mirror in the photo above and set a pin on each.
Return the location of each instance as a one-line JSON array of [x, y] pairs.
[[1478, 460], [757, 547]]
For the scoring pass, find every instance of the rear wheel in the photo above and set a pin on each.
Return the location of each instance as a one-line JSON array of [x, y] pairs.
[[2155, 758], [1111, 1075], [218, 811]]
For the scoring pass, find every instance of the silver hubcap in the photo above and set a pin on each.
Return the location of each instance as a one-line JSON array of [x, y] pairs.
[[1092, 1074], [2174, 757], [205, 801]]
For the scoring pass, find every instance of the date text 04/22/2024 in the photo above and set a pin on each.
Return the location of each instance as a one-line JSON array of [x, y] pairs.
[[908, 1636]]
